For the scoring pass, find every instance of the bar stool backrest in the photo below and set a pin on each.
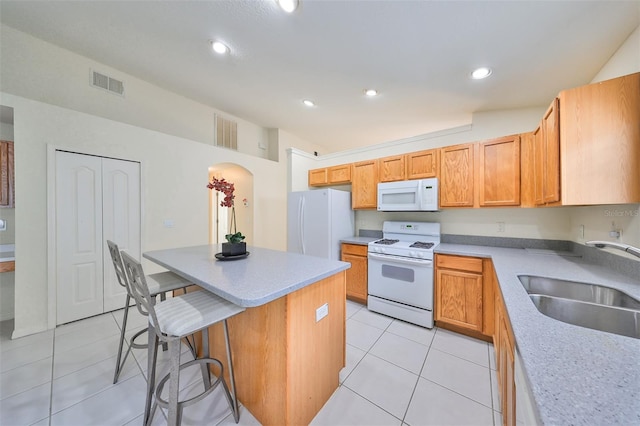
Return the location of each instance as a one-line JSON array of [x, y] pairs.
[[140, 290], [118, 266]]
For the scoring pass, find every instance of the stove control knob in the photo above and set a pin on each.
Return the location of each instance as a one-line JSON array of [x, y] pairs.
[[412, 254], [421, 255]]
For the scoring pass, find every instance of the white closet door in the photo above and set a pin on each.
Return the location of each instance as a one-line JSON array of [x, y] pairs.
[[120, 221], [79, 242]]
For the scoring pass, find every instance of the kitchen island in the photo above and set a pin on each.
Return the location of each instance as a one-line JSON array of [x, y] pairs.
[[287, 356]]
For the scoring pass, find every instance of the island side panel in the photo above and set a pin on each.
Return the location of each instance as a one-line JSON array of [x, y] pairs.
[[277, 361], [259, 350], [316, 352]]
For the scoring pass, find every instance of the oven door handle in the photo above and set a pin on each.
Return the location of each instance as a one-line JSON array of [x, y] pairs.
[[406, 260]]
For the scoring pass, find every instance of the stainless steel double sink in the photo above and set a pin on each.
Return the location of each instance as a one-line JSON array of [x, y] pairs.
[[586, 305]]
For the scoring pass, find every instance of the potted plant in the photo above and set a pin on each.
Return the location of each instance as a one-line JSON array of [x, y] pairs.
[[235, 246]]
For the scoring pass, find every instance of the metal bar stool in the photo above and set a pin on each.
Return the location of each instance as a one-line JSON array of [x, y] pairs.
[[159, 284], [170, 321]]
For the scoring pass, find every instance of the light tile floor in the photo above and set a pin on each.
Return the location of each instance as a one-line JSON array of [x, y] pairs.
[[396, 374]]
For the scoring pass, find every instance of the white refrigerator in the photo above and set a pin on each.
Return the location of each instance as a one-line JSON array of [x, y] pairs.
[[318, 220]]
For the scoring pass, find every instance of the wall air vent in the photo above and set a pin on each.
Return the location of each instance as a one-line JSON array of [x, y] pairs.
[[105, 82], [225, 133]]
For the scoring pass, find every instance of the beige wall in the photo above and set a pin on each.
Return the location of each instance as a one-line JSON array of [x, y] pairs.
[[174, 177]]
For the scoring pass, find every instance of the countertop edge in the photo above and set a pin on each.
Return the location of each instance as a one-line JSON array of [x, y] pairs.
[[248, 302]]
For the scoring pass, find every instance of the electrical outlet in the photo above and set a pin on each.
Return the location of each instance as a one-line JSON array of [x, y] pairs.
[[500, 226], [582, 232], [168, 223], [322, 312]]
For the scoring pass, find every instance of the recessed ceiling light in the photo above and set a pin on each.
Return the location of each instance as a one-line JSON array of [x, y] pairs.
[[371, 92], [288, 5], [481, 73], [219, 47], [308, 103]]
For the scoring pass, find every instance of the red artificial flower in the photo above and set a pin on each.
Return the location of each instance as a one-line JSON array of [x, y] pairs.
[[226, 188]]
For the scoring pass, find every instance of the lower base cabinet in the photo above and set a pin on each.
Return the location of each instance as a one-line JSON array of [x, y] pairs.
[[468, 301], [357, 275], [464, 295], [503, 342]]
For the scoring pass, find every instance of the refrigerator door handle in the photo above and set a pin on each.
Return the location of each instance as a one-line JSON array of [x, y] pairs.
[[301, 216]]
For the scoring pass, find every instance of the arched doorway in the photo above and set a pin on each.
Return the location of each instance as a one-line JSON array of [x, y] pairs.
[[220, 217]]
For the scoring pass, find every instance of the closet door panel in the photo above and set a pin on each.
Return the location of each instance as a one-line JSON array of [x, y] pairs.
[[79, 260], [121, 221]]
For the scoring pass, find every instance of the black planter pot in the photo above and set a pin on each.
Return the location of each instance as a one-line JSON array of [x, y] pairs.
[[233, 249]]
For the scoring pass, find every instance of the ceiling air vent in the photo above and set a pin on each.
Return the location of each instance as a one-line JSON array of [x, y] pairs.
[[226, 133], [105, 82]]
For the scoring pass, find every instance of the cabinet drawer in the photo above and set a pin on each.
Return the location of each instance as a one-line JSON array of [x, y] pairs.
[[462, 263], [354, 249]]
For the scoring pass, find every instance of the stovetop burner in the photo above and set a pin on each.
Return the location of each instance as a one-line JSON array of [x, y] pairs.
[[386, 241], [422, 245]]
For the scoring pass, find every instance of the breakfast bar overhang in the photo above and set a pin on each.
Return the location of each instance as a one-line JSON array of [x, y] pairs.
[[287, 356]]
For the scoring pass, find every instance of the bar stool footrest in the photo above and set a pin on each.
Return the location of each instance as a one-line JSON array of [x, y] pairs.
[[165, 404]]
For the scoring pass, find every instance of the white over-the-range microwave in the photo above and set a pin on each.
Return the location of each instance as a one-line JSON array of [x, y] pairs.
[[408, 195]]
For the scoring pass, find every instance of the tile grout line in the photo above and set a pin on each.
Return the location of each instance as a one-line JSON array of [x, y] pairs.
[[406, 411]]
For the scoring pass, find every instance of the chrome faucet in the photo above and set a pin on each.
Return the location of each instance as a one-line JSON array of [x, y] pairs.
[[624, 247]]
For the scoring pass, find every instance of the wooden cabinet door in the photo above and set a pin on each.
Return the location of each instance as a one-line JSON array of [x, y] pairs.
[[538, 165], [551, 136], [505, 357], [364, 185], [318, 177], [527, 173], [499, 170], [339, 174], [600, 142], [357, 275], [392, 168], [508, 386], [422, 164], [459, 298], [7, 192], [457, 176]]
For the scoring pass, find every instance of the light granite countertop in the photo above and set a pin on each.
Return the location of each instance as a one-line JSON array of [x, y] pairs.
[[576, 375], [363, 241], [261, 277]]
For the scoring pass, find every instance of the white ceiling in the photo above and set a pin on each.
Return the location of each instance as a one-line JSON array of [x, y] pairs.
[[418, 54]]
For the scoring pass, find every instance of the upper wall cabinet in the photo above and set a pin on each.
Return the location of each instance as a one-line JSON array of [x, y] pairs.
[[600, 142], [422, 164], [334, 175], [339, 174], [457, 176], [499, 171], [393, 168], [319, 177], [7, 191], [546, 158], [527, 184], [364, 185]]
